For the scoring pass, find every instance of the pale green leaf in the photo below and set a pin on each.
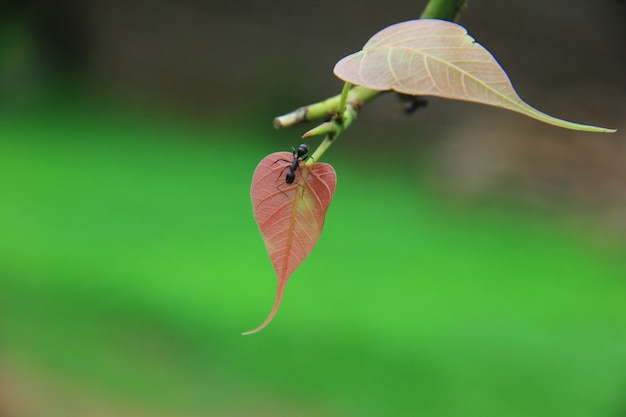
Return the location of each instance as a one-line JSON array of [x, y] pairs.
[[433, 57]]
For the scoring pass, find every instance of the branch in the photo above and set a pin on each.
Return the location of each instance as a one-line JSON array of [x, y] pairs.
[[357, 96], [342, 109], [444, 9]]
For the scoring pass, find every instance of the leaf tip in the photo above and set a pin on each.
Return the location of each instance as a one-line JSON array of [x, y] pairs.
[[593, 129], [249, 332], [279, 296]]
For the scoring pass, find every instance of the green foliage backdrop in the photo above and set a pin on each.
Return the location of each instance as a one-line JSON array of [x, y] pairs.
[[130, 264]]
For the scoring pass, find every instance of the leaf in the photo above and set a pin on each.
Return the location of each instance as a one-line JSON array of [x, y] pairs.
[[290, 216], [438, 58]]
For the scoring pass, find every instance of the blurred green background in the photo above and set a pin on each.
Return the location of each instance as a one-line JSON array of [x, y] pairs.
[[472, 263]]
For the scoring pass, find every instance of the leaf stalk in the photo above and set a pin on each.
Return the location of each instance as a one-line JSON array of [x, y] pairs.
[[333, 129], [343, 98], [343, 108], [444, 9]]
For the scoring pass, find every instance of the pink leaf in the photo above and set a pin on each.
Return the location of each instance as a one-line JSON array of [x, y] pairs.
[[438, 58], [290, 216]]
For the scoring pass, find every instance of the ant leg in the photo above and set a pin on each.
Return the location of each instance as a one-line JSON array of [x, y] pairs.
[[284, 193], [281, 184], [294, 184], [303, 188], [280, 160], [281, 172]]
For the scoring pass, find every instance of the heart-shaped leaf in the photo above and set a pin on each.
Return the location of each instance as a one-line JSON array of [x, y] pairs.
[[290, 216], [438, 58]]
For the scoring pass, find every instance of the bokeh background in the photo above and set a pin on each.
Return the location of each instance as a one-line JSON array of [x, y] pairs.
[[473, 261]]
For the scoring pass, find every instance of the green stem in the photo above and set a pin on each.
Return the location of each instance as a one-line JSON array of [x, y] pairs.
[[444, 9], [328, 140], [342, 100], [326, 108], [334, 129], [345, 107]]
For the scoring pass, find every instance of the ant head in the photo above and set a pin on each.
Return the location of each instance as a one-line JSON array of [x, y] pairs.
[[302, 150]]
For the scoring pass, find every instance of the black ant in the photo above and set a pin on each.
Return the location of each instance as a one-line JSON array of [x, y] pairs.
[[412, 103], [298, 156]]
